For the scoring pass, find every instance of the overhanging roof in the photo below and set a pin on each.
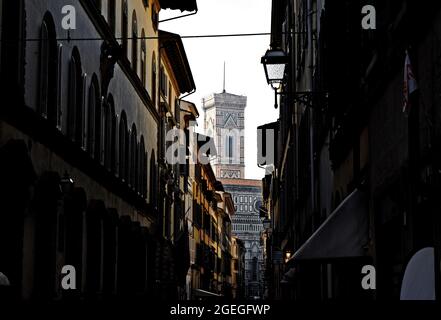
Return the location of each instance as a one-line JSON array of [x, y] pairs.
[[183, 5], [343, 234], [175, 51]]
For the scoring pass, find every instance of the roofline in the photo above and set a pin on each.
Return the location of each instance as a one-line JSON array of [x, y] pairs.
[[166, 39]]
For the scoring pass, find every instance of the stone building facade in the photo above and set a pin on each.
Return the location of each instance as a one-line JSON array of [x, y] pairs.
[[79, 148]]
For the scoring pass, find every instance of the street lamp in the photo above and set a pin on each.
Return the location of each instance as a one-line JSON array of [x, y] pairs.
[[274, 63]]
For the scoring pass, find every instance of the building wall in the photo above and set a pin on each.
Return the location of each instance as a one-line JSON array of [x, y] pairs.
[[72, 207], [247, 226]]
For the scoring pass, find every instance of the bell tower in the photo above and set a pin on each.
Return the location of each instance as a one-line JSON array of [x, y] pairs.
[[224, 121]]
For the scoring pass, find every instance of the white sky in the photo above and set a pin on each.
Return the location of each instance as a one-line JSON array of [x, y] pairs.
[[244, 72]]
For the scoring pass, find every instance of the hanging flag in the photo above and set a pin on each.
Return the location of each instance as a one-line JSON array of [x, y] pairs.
[[410, 84]]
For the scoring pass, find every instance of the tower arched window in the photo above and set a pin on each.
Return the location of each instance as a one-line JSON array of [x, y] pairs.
[[125, 26], [229, 148], [48, 86], [134, 42]]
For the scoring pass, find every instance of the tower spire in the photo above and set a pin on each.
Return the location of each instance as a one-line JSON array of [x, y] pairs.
[[224, 79]]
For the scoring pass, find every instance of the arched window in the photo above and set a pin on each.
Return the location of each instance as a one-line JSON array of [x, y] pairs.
[[98, 129], [155, 17], [93, 105], [105, 115], [75, 119], [143, 59], [110, 135], [153, 180], [142, 168], [153, 93], [48, 71], [134, 42], [133, 177], [125, 26], [123, 146], [229, 144], [113, 137], [111, 12]]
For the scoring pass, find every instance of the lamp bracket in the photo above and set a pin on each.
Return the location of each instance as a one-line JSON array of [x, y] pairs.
[[304, 97]]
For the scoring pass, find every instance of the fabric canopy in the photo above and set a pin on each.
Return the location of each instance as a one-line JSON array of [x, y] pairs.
[[419, 278], [342, 235]]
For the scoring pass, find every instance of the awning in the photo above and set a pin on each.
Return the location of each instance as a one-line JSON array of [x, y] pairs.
[[342, 235], [4, 281], [419, 278]]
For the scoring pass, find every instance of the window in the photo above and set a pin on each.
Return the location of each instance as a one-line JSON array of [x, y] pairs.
[[134, 42], [143, 59], [142, 187], [155, 19], [123, 137], [75, 103], [154, 80], [170, 95], [153, 180], [163, 82], [110, 135], [229, 148], [49, 63], [81, 130], [133, 154], [58, 115], [124, 26], [111, 11], [93, 104], [103, 132]]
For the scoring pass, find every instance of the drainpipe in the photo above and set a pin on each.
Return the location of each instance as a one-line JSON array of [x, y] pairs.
[[311, 109]]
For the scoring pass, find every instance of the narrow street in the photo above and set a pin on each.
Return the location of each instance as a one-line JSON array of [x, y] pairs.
[[235, 150]]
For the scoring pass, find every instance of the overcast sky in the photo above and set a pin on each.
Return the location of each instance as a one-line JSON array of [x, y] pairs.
[[244, 73]]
